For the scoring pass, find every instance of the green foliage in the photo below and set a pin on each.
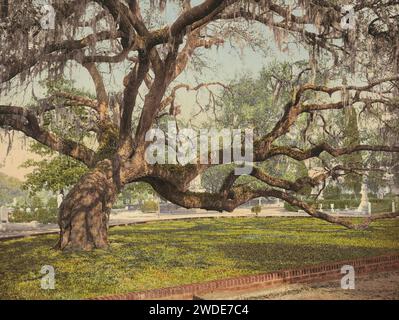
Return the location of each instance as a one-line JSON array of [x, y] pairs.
[[10, 188], [352, 182], [332, 192], [256, 102], [212, 179], [38, 211], [133, 193], [58, 172], [69, 123], [149, 206], [184, 252], [54, 174], [301, 171], [256, 209], [377, 205], [109, 143]]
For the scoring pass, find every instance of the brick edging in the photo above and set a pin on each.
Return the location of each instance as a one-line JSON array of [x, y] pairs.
[[311, 273]]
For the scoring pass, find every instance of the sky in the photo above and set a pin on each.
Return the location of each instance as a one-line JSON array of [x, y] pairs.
[[225, 64]]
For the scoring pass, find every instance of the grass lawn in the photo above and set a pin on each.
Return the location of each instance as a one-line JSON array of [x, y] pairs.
[[168, 253]]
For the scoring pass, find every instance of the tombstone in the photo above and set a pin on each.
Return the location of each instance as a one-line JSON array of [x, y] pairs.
[[369, 208], [4, 215], [332, 207], [60, 198], [321, 207], [364, 202], [393, 206]]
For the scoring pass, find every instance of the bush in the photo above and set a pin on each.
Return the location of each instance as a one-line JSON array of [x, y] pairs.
[[377, 205], [332, 192], [38, 212], [256, 209], [149, 206]]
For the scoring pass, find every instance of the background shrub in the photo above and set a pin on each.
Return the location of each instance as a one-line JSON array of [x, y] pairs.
[[377, 205], [149, 206], [256, 209], [40, 212]]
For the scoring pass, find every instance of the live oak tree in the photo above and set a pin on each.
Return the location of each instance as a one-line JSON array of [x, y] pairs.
[[361, 57]]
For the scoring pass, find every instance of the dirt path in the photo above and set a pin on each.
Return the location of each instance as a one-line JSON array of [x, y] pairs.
[[380, 286]]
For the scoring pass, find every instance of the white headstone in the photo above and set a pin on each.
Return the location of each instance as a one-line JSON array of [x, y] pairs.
[[332, 207], [60, 198], [393, 206], [4, 214], [369, 208], [364, 202]]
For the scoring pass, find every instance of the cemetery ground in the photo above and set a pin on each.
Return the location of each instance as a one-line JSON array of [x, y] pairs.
[[169, 253], [377, 286]]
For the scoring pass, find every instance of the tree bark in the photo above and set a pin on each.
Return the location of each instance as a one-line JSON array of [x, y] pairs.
[[84, 213]]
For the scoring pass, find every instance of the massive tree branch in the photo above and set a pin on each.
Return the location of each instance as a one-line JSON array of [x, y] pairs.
[[13, 66], [21, 119]]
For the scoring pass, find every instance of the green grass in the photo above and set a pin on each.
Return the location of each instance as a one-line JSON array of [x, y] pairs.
[[160, 254]]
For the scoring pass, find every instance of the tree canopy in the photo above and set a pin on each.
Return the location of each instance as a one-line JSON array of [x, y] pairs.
[[352, 62]]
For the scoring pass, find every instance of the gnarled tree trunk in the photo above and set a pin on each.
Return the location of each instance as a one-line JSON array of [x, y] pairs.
[[84, 213]]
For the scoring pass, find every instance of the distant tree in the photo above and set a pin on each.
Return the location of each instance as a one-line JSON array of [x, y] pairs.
[[10, 188], [56, 173]]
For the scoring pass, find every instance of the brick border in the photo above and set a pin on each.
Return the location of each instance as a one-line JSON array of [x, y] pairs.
[[307, 274]]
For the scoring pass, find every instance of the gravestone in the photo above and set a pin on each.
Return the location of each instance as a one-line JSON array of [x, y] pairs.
[[4, 214], [60, 198], [364, 202]]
